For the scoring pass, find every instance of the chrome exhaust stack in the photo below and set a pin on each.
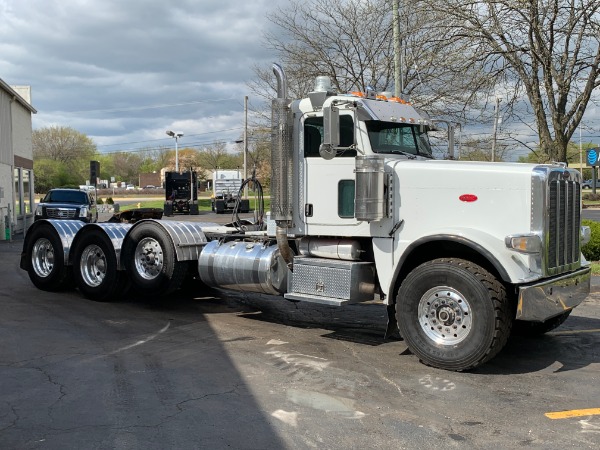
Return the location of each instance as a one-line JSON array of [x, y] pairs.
[[281, 164]]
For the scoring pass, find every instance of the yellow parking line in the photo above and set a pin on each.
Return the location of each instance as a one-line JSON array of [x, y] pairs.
[[573, 413]]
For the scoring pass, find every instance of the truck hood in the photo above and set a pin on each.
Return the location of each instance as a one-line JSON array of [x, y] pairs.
[[62, 205]]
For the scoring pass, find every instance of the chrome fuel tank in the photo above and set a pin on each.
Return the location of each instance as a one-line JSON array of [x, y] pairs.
[[243, 266]]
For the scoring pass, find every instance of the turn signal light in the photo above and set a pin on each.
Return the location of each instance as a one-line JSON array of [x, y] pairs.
[[526, 243]]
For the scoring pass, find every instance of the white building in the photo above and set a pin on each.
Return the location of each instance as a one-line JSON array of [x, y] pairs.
[[16, 159]]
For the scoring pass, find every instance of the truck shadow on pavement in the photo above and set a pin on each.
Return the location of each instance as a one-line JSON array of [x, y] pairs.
[[572, 346]]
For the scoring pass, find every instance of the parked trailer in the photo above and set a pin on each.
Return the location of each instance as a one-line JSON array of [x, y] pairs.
[[460, 253], [181, 193], [226, 192]]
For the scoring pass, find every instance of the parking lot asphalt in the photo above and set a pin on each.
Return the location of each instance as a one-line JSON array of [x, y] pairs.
[[206, 368]]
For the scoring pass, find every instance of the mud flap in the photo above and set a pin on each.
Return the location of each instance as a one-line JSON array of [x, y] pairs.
[[392, 331]]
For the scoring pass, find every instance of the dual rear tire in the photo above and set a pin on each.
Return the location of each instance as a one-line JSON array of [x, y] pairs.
[[95, 268]]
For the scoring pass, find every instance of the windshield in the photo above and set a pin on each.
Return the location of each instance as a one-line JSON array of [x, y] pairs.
[[398, 138], [66, 197]]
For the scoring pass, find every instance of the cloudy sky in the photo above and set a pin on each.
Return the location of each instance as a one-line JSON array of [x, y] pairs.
[[125, 71]]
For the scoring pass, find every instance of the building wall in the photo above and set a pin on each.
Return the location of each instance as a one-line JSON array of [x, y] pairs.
[[16, 159]]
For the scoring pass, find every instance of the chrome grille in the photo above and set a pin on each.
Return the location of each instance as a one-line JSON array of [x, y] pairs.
[[61, 213], [564, 221]]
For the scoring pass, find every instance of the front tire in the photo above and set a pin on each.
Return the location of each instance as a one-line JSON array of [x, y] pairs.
[[95, 268], [46, 260], [150, 260], [453, 314]]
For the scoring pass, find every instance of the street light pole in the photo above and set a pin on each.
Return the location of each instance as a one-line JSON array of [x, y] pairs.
[[176, 136]]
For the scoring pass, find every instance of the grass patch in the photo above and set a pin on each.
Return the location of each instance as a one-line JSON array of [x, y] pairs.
[[595, 267], [204, 204]]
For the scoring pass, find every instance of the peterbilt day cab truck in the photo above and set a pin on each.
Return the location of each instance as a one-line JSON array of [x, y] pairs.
[[460, 253]]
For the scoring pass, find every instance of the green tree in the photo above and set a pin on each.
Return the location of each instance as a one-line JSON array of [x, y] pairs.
[[61, 156], [572, 152]]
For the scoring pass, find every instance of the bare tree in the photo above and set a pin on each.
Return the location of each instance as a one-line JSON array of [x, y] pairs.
[[545, 50], [480, 150], [350, 41], [214, 156]]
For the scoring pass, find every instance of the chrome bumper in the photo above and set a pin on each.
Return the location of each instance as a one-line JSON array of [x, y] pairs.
[[541, 301]]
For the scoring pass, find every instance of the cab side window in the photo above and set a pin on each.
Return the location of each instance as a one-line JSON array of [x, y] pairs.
[[313, 136]]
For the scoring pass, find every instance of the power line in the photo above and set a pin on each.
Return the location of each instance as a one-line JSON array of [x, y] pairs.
[[163, 139]]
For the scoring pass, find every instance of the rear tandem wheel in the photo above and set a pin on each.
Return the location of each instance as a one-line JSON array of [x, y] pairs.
[[95, 268], [150, 260], [46, 260]]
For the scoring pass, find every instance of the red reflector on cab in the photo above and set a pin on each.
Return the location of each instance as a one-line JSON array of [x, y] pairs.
[[468, 198]]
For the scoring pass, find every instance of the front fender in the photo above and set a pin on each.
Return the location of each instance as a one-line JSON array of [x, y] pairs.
[[391, 255]]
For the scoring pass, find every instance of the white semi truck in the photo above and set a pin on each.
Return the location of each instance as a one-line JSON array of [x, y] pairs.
[[460, 253]]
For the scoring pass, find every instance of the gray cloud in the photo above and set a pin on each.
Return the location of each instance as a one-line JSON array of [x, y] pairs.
[[103, 66]]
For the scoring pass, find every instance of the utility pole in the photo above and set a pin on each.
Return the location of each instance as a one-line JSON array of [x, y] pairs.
[[245, 144], [398, 83], [495, 132]]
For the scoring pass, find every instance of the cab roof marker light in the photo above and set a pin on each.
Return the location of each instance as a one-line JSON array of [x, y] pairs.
[[358, 94]]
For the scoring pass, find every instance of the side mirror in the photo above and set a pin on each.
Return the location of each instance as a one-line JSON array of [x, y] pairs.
[[331, 132]]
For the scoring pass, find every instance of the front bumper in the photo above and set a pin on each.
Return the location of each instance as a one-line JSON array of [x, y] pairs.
[[543, 300]]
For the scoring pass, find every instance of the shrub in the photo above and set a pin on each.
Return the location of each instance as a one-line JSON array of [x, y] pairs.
[[591, 250], [110, 201], [100, 202], [591, 197]]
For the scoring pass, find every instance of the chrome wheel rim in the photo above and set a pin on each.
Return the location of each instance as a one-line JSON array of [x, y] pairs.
[[149, 259], [42, 258], [93, 265], [445, 315]]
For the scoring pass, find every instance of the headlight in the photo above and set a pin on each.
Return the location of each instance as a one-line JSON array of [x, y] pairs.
[[524, 243], [38, 211], [83, 212]]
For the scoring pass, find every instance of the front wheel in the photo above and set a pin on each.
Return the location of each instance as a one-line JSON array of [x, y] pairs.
[[453, 314]]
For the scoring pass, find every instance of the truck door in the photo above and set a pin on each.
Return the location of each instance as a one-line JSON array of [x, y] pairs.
[[328, 184]]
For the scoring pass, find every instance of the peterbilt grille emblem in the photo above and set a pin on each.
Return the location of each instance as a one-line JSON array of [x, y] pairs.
[[320, 287]]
